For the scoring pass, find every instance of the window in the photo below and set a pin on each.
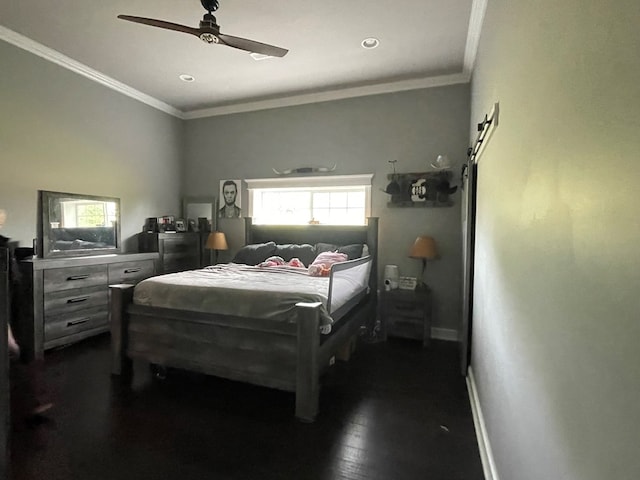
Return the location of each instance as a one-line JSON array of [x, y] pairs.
[[335, 200], [88, 214]]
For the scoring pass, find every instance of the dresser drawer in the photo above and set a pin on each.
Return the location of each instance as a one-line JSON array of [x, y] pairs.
[[181, 244], [57, 279], [130, 272], [63, 325], [179, 262], [67, 301]]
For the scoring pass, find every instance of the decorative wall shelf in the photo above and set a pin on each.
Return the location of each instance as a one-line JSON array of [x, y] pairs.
[[422, 189]]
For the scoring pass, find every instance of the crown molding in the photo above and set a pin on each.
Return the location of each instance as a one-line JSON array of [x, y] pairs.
[[377, 89], [58, 58], [476, 19]]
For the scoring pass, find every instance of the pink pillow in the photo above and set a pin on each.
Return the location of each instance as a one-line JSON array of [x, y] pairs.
[[321, 266]]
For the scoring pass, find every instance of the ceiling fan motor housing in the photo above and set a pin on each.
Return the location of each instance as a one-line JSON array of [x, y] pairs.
[[210, 5], [209, 29]]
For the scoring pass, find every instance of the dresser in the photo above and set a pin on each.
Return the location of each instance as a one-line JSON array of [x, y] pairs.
[[178, 251], [4, 363], [64, 300], [407, 314]]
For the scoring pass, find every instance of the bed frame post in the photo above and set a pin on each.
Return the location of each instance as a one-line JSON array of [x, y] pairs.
[[308, 368], [372, 241], [121, 297]]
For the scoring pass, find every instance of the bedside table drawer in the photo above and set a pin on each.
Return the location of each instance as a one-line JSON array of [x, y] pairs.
[[405, 308], [405, 328]]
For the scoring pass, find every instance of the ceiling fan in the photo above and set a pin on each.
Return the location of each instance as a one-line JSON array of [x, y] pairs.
[[209, 32]]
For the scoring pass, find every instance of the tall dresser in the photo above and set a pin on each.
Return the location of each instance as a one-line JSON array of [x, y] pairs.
[[4, 363], [63, 300], [178, 251]]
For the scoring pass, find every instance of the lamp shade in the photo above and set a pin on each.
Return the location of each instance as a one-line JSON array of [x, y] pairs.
[[217, 241], [424, 247]]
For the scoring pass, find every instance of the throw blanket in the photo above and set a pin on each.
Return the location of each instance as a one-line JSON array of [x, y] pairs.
[[240, 290]]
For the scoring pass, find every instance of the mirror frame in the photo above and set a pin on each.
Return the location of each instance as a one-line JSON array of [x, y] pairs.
[[43, 249], [186, 201]]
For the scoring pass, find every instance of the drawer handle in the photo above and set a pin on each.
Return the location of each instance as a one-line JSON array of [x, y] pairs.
[[78, 277], [73, 323], [78, 299], [132, 270]]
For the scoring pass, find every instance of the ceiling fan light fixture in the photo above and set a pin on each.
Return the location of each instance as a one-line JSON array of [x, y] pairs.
[[209, 38], [185, 77], [370, 43]]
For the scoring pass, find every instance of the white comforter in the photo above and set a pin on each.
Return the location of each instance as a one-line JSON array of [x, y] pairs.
[[240, 290]]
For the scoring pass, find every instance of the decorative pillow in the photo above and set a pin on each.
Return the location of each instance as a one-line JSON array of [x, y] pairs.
[[325, 247], [305, 252], [255, 253], [321, 266], [353, 251]]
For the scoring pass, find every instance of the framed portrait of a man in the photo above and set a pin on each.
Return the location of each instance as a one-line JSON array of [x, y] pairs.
[[230, 199]]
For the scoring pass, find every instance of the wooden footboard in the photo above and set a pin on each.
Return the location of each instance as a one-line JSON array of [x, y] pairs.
[[289, 357]]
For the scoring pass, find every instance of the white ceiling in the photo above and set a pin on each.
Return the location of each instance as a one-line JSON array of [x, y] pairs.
[[422, 42]]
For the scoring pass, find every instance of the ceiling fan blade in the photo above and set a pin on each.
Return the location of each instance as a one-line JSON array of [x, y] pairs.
[[252, 46], [161, 24]]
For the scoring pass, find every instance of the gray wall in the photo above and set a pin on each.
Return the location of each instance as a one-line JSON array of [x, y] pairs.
[[361, 135], [555, 343], [62, 132]]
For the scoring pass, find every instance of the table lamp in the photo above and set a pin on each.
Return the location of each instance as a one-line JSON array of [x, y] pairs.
[[424, 248], [216, 241]]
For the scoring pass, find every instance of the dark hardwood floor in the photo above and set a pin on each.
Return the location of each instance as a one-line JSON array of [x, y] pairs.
[[394, 411]]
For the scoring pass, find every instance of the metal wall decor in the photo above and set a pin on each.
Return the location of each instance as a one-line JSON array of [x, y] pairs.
[[423, 189], [302, 170]]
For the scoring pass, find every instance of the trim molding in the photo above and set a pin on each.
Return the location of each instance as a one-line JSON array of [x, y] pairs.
[[476, 19], [486, 454], [58, 58], [444, 334], [310, 181], [328, 96]]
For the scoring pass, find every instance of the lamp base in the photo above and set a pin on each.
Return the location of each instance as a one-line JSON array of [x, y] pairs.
[[421, 287]]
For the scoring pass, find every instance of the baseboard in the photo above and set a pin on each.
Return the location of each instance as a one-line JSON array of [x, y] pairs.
[[486, 454], [444, 334]]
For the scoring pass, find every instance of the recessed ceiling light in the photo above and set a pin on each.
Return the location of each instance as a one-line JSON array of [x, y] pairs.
[[187, 78], [370, 43]]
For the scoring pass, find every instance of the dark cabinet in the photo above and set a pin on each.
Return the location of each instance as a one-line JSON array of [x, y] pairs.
[[407, 314], [178, 251], [4, 363]]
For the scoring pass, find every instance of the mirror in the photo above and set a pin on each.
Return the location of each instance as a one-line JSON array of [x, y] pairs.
[[72, 224], [196, 208]]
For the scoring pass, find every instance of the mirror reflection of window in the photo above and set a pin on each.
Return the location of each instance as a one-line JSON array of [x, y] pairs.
[[82, 213]]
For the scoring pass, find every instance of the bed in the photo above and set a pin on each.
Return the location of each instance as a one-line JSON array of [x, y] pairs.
[[289, 355]]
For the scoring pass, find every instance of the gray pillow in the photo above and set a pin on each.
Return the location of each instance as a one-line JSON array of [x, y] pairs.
[[255, 253], [325, 247], [304, 252], [353, 251]]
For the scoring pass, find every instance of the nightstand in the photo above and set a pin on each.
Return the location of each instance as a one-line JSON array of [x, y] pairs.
[[407, 314]]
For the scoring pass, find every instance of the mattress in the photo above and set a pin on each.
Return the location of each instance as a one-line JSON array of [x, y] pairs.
[[243, 290]]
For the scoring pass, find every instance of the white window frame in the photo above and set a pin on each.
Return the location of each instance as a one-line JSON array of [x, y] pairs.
[[362, 180]]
